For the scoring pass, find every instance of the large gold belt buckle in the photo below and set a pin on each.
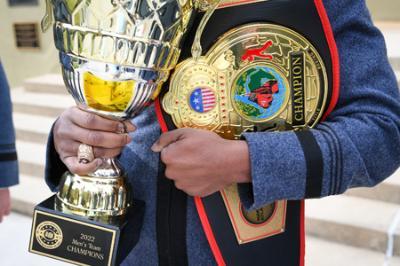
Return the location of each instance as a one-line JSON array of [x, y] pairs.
[[257, 77]]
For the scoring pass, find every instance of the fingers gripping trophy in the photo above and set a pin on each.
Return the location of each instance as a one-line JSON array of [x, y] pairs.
[[115, 56]]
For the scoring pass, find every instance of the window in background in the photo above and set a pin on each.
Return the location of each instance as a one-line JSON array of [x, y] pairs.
[[23, 2], [26, 35]]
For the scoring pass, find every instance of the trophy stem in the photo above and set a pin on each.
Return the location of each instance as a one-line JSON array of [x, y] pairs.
[[108, 169]]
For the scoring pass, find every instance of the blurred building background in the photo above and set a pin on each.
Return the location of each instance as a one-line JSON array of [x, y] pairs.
[[359, 228], [30, 58]]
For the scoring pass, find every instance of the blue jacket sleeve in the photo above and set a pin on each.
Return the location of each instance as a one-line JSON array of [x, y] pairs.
[[8, 154], [359, 143]]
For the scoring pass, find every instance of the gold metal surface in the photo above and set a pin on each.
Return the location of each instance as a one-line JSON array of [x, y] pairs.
[[221, 70], [257, 77], [144, 34], [113, 96], [251, 226], [130, 45], [98, 198], [49, 235]]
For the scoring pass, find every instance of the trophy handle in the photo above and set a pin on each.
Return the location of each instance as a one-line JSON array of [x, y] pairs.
[[48, 17]]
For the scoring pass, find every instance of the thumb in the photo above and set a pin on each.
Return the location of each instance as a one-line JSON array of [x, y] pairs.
[[167, 138]]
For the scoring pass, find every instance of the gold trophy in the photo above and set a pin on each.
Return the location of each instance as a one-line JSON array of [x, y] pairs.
[[115, 56]]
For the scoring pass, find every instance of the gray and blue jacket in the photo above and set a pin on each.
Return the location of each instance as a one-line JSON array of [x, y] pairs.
[[359, 141]]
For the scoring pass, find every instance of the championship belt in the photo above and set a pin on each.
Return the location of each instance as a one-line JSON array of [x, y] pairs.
[[274, 68]]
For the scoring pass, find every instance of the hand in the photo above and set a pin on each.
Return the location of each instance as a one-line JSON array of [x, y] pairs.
[[76, 126], [5, 203], [201, 162]]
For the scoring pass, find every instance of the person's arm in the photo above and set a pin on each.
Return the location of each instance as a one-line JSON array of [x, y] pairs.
[[8, 154], [359, 143]]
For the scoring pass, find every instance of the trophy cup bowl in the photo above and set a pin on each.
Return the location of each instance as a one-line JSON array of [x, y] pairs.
[[115, 92], [115, 56]]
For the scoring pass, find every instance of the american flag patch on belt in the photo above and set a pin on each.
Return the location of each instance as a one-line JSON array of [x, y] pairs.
[[202, 100]]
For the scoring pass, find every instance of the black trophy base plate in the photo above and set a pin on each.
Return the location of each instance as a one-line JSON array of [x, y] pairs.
[[81, 241]]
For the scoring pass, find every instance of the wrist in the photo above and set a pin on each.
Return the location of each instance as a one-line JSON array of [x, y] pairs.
[[240, 164]]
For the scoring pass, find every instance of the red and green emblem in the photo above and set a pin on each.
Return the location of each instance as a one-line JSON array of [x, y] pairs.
[[259, 93]]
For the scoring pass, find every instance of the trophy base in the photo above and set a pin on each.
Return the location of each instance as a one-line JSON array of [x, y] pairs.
[[78, 240]]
